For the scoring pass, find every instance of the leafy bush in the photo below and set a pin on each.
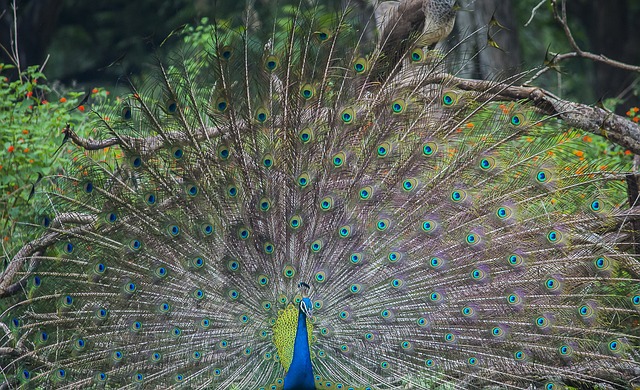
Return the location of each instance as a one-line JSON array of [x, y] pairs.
[[32, 116]]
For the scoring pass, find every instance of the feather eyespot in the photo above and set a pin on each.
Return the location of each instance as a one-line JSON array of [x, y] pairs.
[[398, 106], [449, 98], [271, 63], [360, 65], [348, 116], [307, 91], [126, 113], [383, 150], [338, 159], [261, 115], [226, 52], [417, 55], [306, 135]]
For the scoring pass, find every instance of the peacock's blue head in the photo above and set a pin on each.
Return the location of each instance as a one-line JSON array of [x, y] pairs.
[[306, 306]]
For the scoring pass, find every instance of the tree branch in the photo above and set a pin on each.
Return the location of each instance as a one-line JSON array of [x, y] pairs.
[[148, 144], [33, 249], [561, 18], [596, 120]]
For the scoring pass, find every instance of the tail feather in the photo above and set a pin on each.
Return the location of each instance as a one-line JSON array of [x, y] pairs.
[[449, 239]]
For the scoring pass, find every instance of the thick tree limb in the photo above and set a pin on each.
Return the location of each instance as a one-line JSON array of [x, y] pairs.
[[33, 249], [596, 120], [148, 144]]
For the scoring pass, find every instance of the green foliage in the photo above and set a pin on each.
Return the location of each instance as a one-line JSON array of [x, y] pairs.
[[31, 119]]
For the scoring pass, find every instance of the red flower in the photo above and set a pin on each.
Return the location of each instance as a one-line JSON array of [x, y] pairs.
[[11, 149]]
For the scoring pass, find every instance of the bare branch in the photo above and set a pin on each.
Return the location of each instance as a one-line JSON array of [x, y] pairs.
[[596, 120], [14, 6], [32, 249], [534, 10], [578, 52], [148, 144], [616, 128]]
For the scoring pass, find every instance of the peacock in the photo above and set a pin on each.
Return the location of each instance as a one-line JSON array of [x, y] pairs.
[[294, 207]]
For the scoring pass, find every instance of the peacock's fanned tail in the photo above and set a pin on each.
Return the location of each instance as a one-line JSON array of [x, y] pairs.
[[449, 239]]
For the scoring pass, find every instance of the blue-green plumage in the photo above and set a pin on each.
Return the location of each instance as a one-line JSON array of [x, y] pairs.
[[300, 375]]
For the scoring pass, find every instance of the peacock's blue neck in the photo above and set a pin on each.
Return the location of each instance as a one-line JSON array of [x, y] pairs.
[[300, 375]]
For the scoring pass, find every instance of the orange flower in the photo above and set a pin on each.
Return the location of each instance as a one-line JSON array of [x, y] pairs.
[[628, 113], [107, 92], [30, 93], [95, 90], [636, 119], [6, 238], [578, 153], [26, 150], [635, 109], [627, 152], [586, 138], [470, 125], [81, 108], [10, 149], [45, 102], [63, 99], [35, 81], [25, 131], [30, 161]]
